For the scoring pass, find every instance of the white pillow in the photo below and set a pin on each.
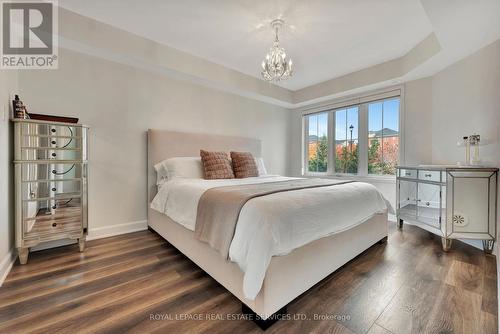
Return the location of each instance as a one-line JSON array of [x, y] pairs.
[[161, 173], [260, 166], [187, 167]]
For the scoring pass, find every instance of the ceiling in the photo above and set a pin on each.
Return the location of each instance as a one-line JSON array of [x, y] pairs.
[[325, 38]]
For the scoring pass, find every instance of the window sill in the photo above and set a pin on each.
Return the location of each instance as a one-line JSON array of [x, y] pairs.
[[366, 178]]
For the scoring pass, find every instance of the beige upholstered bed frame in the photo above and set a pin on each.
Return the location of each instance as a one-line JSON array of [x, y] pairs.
[[287, 276]]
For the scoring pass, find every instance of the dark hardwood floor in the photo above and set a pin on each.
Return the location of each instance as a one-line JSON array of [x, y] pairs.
[[138, 283]]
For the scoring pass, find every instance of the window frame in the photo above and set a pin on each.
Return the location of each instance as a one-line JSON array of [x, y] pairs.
[[361, 101]]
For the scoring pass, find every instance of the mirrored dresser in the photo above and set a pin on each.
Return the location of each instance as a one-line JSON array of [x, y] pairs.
[[452, 202], [50, 170]]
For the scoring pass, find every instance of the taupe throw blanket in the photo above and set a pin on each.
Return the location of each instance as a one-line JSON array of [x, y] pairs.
[[219, 208]]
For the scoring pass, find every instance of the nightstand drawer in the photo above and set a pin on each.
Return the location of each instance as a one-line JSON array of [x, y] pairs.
[[430, 175], [408, 173]]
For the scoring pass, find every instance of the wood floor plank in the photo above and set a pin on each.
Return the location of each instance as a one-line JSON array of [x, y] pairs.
[[376, 329], [37, 304], [490, 295], [368, 302], [405, 286], [97, 318], [115, 293], [78, 275], [189, 302], [455, 310], [410, 310], [76, 259], [466, 276], [490, 266], [489, 323], [70, 281], [177, 318]]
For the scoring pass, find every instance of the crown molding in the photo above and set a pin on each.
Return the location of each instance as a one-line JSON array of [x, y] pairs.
[[85, 35]]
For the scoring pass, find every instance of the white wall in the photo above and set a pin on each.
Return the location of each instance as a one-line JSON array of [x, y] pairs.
[[121, 102], [418, 122], [466, 99], [8, 87]]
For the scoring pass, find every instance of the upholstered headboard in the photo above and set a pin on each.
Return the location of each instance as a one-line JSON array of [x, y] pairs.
[[163, 144]]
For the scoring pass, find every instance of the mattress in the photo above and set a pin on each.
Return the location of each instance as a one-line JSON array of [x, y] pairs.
[[275, 224]]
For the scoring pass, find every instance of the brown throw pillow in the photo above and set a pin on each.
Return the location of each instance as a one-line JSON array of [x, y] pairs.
[[216, 165], [244, 165]]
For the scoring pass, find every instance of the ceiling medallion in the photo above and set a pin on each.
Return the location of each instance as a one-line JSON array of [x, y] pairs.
[[276, 66]]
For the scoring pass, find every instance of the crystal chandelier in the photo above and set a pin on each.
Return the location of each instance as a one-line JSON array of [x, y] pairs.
[[276, 67]]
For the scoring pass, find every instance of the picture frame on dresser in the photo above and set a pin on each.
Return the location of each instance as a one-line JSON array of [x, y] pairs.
[[51, 183]]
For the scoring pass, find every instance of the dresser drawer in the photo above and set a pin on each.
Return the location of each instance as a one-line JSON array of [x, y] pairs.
[[44, 129], [408, 173], [430, 175], [49, 141], [32, 190], [52, 171], [45, 219], [48, 153]]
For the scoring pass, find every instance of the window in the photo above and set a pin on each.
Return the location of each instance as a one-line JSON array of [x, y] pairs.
[[346, 140], [383, 137], [317, 143], [362, 137]]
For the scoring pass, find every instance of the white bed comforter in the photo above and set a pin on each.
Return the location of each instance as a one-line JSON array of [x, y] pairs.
[[275, 224]]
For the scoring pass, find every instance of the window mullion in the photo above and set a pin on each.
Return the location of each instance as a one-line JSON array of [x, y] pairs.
[[331, 143], [305, 150], [363, 140], [382, 135], [346, 142]]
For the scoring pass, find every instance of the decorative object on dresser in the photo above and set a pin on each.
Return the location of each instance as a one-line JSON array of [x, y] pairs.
[[50, 160], [452, 202], [52, 118], [19, 108]]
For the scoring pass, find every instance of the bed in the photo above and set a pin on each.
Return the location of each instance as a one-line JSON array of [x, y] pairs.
[[285, 276]]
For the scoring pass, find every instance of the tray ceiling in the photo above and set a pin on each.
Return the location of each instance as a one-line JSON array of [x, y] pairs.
[[325, 38]]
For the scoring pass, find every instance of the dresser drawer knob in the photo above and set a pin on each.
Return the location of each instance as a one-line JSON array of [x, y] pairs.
[[54, 224], [54, 207], [54, 189], [54, 154], [407, 173], [53, 142], [428, 175], [53, 130]]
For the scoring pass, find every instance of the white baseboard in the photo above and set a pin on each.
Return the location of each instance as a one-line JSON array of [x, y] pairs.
[[109, 231], [6, 264]]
